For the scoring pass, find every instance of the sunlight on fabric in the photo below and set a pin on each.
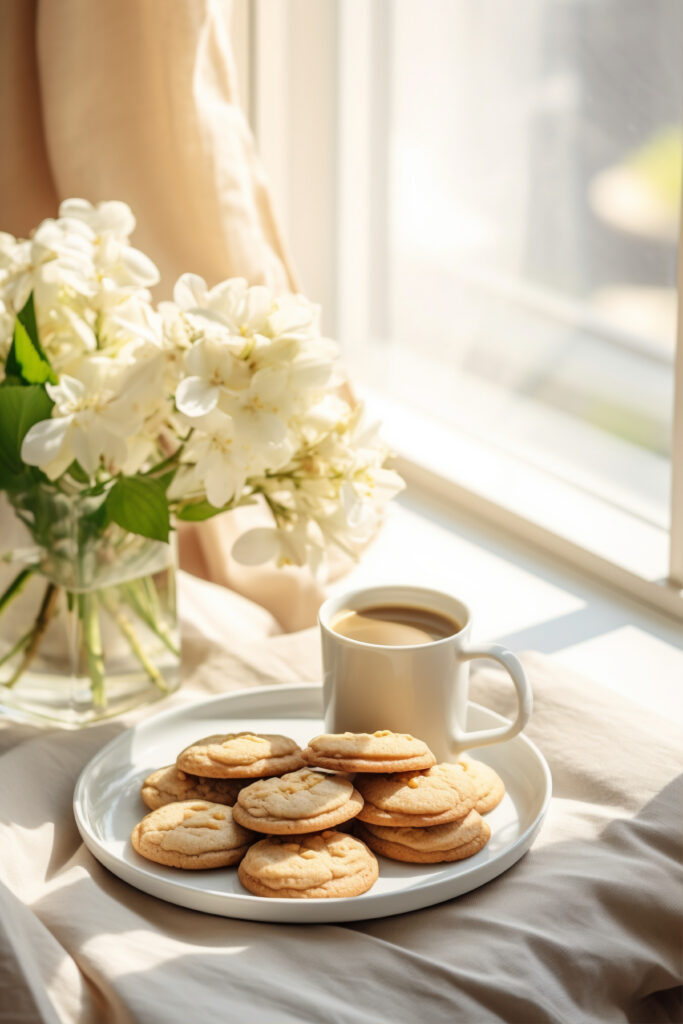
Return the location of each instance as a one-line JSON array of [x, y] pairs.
[[128, 943], [647, 667]]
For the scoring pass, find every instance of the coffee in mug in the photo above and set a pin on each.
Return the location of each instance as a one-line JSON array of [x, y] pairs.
[[394, 625], [397, 657]]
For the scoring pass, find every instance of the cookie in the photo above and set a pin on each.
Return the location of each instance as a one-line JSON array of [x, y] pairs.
[[240, 755], [381, 751], [302, 801], [455, 840], [169, 785], [442, 793], [191, 834], [488, 786], [327, 864]]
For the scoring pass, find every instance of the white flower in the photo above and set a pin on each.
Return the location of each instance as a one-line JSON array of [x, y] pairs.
[[213, 371], [111, 223], [89, 255], [335, 492], [112, 217], [130, 323], [295, 545], [294, 318], [67, 247], [94, 417], [232, 304], [224, 452], [82, 271], [236, 381], [218, 377], [255, 359], [15, 271], [175, 341], [219, 467], [259, 420], [224, 384]]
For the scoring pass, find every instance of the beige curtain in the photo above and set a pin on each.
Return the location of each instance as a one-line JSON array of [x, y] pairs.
[[137, 100]]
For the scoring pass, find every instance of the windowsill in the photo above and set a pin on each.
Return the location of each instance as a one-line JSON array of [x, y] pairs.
[[528, 600], [609, 543]]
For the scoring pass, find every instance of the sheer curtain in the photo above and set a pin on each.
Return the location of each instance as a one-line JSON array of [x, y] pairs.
[[137, 100]]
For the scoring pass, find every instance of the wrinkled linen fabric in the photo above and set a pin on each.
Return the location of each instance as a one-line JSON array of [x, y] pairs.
[[137, 100], [586, 927]]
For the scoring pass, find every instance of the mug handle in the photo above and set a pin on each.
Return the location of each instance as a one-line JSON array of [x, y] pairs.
[[461, 739]]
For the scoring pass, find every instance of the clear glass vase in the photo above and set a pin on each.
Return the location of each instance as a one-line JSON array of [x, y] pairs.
[[88, 623]]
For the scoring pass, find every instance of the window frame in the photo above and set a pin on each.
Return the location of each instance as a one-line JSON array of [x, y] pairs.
[[296, 118]]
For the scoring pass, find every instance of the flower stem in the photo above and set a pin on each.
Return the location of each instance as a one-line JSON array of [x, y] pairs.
[[15, 588], [137, 603], [128, 632], [36, 634], [90, 624], [21, 642]]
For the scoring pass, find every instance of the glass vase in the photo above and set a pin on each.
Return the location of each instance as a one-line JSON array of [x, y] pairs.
[[88, 623]]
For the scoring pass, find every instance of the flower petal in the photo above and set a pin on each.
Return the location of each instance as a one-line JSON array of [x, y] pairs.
[[190, 291], [310, 371], [269, 383], [295, 317], [259, 302], [140, 267], [69, 391], [114, 216], [43, 442], [195, 397], [257, 546], [259, 428], [221, 479], [91, 441], [78, 208]]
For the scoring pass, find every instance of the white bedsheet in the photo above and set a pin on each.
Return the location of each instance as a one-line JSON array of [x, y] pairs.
[[586, 927]]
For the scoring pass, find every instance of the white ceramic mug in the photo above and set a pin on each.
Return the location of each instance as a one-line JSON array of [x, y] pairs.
[[419, 689]]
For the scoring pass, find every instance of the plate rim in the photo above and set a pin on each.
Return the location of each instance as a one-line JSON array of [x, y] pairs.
[[105, 856]]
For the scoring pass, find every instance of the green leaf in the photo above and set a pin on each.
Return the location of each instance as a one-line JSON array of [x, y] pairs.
[[198, 511], [138, 504], [166, 479], [77, 473], [20, 408], [26, 358]]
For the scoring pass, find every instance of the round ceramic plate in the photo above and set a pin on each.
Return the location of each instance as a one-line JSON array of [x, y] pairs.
[[107, 805]]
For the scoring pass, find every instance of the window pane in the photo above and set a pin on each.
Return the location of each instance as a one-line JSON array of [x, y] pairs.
[[526, 180]]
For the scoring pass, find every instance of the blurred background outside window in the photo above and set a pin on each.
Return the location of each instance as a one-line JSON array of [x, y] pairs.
[[505, 225]]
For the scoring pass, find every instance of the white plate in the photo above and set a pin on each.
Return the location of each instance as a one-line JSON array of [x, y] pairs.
[[107, 805]]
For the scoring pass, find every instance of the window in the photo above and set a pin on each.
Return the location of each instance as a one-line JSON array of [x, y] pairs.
[[503, 241]]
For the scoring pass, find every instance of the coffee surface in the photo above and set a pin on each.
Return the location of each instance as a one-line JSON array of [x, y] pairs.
[[394, 625]]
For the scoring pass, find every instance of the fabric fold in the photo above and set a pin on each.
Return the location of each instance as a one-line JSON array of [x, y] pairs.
[[585, 927]]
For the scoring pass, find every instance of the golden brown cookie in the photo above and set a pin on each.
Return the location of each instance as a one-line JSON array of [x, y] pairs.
[[381, 751], [417, 799], [191, 834], [240, 755], [489, 788], [319, 866], [169, 785], [302, 801], [455, 840]]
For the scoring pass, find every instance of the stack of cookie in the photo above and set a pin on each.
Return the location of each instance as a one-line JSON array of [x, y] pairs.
[[429, 816], [261, 802], [225, 792], [413, 809], [323, 861], [191, 825]]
